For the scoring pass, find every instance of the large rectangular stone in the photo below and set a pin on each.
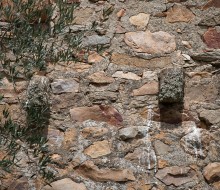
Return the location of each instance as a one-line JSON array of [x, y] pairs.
[[171, 85]]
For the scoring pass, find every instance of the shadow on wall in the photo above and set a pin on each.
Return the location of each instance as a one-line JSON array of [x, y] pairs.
[[171, 94]]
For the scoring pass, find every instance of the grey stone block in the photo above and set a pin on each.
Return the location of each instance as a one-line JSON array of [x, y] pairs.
[[171, 85]]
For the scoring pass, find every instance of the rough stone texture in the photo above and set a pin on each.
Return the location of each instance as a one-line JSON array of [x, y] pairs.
[[88, 169], [97, 113], [211, 3], [171, 83], [212, 38], [150, 43], [66, 183], [123, 59], [212, 172], [149, 88], [64, 86], [95, 40], [210, 116], [38, 91], [176, 175], [108, 131], [99, 148], [179, 13], [129, 75], [100, 78], [141, 20]]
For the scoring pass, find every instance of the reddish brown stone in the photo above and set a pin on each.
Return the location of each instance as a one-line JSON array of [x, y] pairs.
[[212, 38], [212, 172], [211, 3], [97, 113]]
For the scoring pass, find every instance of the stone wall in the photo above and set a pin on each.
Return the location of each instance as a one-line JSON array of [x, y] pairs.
[[108, 130]]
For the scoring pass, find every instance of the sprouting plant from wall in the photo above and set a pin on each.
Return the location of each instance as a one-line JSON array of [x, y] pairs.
[[34, 33]]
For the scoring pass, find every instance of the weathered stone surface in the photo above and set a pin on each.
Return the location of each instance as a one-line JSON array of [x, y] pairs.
[[98, 149], [123, 59], [82, 16], [212, 172], [212, 38], [38, 91], [134, 131], [144, 156], [171, 88], [199, 89], [210, 56], [150, 43], [149, 88], [176, 175], [100, 78], [65, 183], [211, 3], [95, 40], [95, 58], [140, 20], [64, 86], [210, 116], [179, 13], [88, 169], [128, 75], [70, 137], [55, 138], [128, 133], [161, 148], [216, 185], [97, 113], [20, 184], [7, 88], [121, 13], [94, 132], [210, 20], [196, 141]]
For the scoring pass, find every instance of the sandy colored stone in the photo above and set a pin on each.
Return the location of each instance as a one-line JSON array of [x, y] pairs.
[[100, 78], [216, 185], [82, 16], [128, 75], [162, 163], [124, 59], [179, 13], [98, 149], [148, 88], [121, 13], [89, 170], [212, 172], [70, 136], [212, 38], [140, 185], [98, 113], [151, 43], [94, 132], [66, 184], [95, 58], [140, 20]]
